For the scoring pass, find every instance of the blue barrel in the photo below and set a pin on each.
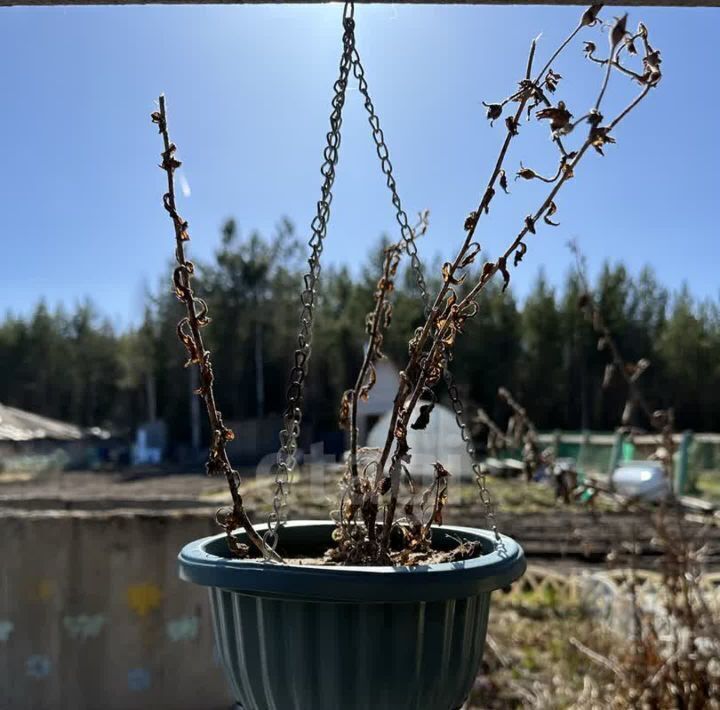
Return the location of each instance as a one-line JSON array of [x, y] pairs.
[[295, 637]]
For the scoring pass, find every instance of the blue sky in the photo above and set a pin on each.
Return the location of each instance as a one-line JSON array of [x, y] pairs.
[[249, 90]]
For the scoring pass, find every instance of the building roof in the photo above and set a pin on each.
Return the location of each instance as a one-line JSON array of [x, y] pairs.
[[17, 425]]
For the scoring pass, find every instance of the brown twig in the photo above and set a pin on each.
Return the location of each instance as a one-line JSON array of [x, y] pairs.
[[448, 316], [189, 331]]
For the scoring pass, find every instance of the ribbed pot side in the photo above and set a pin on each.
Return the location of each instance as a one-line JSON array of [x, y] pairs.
[[332, 638], [299, 655]]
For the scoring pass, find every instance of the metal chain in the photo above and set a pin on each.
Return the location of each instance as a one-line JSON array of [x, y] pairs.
[[286, 459], [406, 231], [478, 470], [408, 237]]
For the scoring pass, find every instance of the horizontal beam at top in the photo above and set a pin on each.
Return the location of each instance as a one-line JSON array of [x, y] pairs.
[[644, 3]]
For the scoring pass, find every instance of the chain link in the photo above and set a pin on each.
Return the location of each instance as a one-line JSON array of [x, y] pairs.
[[478, 470], [286, 460], [406, 231]]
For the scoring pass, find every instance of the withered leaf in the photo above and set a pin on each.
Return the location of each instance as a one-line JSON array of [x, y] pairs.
[[472, 251], [488, 270], [369, 383], [600, 136], [423, 418], [558, 116], [440, 470], [449, 277], [551, 210], [494, 111], [530, 224], [512, 125], [469, 310], [502, 267], [503, 182], [551, 80], [471, 221], [385, 484], [519, 253], [487, 198], [345, 402]]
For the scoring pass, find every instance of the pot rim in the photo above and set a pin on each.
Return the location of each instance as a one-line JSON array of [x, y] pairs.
[[499, 566]]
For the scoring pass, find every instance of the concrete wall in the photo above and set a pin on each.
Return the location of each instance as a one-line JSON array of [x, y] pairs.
[[93, 616]]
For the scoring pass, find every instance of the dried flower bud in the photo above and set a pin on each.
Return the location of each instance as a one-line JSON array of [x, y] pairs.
[[600, 137], [525, 173], [594, 117], [589, 49], [551, 80], [618, 31], [494, 111], [590, 16], [512, 125], [530, 224], [471, 221]]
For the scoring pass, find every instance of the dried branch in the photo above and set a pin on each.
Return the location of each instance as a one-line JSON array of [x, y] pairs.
[[189, 331], [597, 657], [522, 430], [661, 420], [496, 438], [449, 313]]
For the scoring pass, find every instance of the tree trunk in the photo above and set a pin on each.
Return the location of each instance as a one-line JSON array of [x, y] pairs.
[[259, 371]]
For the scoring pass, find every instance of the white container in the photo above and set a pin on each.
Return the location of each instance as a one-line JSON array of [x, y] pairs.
[[641, 479]]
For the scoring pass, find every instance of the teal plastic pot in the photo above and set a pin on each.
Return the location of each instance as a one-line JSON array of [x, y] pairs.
[[297, 637]]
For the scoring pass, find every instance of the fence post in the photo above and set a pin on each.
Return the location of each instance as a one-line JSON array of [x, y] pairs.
[[616, 452], [681, 477]]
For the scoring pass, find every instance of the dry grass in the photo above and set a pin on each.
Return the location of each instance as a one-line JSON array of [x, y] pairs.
[[530, 661]]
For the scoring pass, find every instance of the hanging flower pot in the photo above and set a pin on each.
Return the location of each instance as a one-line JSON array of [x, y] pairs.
[[384, 608], [316, 637]]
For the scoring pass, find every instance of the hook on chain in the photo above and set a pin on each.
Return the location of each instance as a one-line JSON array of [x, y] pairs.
[[349, 16]]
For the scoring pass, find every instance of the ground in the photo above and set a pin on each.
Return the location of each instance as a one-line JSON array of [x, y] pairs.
[[529, 660], [708, 486]]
